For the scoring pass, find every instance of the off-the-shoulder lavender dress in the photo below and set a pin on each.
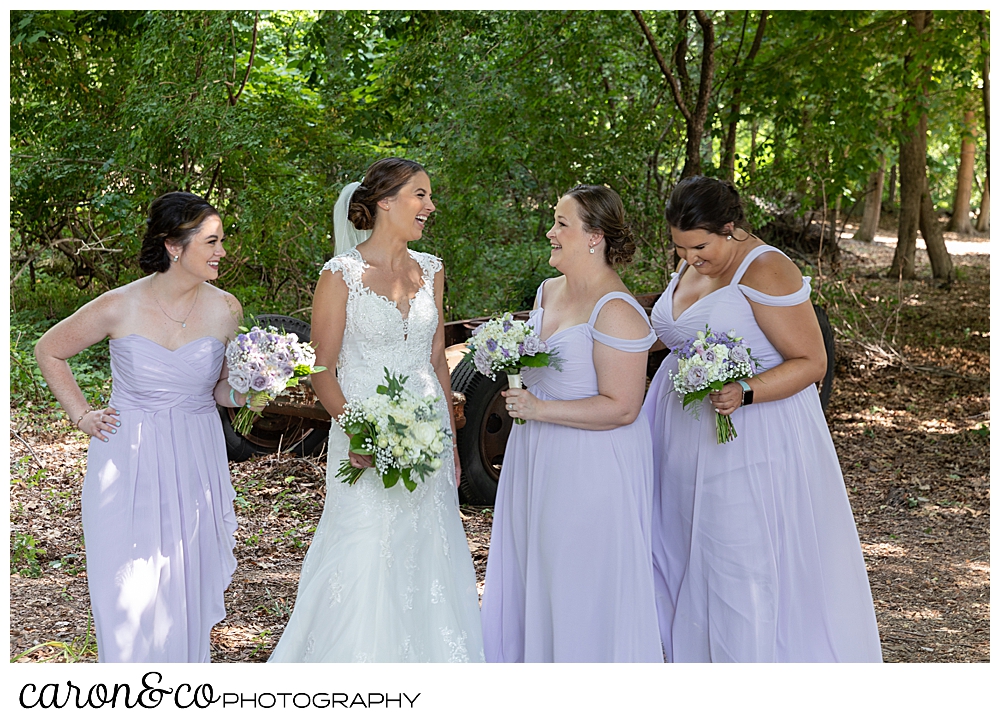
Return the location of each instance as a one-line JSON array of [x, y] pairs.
[[569, 576], [158, 518], [754, 545]]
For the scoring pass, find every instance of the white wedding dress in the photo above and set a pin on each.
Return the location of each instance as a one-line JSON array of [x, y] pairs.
[[388, 577]]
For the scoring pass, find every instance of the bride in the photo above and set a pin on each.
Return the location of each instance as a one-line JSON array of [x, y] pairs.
[[388, 577]]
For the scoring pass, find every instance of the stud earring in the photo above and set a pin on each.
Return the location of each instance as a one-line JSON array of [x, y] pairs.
[[175, 258], [591, 249], [729, 237]]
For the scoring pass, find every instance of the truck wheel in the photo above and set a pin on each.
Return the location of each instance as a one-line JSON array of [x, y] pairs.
[[299, 435], [482, 441], [826, 386]]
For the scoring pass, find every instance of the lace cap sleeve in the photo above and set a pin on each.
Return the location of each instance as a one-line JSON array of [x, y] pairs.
[[793, 299], [430, 263], [349, 267]]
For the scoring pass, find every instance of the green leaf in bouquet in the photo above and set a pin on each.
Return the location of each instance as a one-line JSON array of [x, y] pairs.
[[360, 444], [294, 381], [692, 397], [382, 389], [407, 482], [390, 477]]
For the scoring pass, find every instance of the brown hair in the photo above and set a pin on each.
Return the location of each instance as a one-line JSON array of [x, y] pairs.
[[602, 210], [383, 179], [705, 203], [173, 217]]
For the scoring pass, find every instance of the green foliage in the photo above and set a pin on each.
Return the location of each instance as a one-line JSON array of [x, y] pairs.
[[91, 367], [24, 552], [268, 114]]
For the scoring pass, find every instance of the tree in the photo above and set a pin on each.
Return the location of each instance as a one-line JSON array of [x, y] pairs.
[[983, 222], [915, 207], [693, 107], [873, 205], [729, 148], [960, 222]]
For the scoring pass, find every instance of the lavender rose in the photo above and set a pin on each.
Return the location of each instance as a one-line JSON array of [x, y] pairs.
[[739, 355], [532, 345], [696, 377]]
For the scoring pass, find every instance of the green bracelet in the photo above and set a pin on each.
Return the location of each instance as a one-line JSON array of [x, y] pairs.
[[232, 397]]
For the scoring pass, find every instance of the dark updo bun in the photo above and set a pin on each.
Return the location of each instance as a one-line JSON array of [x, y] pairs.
[[173, 217], [383, 179], [601, 209], [705, 203]]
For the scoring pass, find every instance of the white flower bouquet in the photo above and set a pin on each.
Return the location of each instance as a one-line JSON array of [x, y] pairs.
[[506, 345], [405, 434], [263, 363], [707, 363]]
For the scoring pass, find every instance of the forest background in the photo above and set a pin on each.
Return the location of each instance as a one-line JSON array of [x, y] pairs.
[[834, 125], [268, 114]]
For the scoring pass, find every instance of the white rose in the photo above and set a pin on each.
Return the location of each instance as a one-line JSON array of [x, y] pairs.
[[424, 433]]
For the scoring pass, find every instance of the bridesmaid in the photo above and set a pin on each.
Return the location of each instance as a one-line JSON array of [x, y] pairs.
[[569, 576], [756, 554], [157, 503]]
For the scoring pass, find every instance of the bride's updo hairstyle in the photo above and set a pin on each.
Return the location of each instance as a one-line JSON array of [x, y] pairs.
[[383, 179], [173, 217], [601, 209], [707, 204]]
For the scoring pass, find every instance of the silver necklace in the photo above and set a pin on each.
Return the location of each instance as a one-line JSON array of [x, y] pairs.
[[182, 322]]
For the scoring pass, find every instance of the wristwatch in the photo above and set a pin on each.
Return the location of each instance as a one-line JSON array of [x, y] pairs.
[[747, 392]]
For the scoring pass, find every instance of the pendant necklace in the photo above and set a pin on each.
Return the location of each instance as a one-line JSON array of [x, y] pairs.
[[182, 322]]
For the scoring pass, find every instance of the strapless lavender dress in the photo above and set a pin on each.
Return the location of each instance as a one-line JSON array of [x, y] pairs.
[[570, 573], [158, 516]]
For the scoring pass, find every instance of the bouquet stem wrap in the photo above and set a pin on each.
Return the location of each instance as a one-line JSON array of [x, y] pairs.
[[514, 381]]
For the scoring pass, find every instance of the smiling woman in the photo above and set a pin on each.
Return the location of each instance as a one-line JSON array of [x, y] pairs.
[[157, 501], [756, 554], [388, 576]]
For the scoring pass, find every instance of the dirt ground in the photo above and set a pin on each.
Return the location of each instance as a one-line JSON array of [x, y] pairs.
[[909, 416]]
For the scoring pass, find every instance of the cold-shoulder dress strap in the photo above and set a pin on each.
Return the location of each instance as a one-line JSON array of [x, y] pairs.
[[351, 266], [793, 299], [634, 345]]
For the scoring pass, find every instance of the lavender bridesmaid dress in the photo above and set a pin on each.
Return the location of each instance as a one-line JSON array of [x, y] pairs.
[[158, 516], [754, 545], [569, 576]]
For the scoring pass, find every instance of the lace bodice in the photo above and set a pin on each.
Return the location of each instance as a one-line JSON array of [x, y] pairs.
[[377, 336]]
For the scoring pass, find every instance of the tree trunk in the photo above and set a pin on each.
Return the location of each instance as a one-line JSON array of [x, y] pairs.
[[873, 205], [729, 148], [960, 222], [930, 229], [893, 175], [694, 117], [983, 222], [913, 193]]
